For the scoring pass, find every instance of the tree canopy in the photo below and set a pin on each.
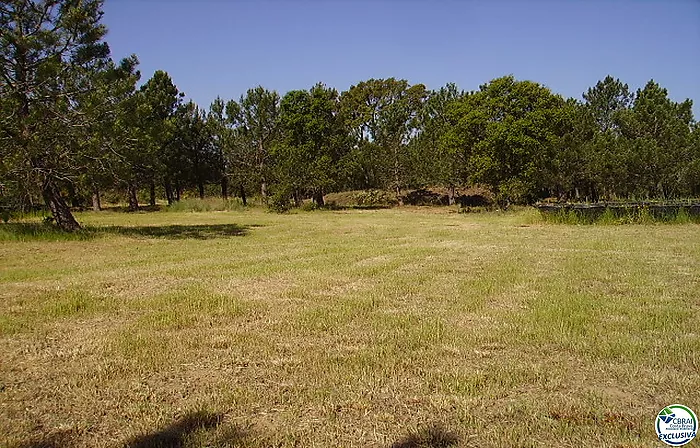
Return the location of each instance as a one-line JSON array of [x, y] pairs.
[[74, 123]]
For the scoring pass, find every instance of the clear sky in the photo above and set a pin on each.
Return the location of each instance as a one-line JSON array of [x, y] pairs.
[[224, 47]]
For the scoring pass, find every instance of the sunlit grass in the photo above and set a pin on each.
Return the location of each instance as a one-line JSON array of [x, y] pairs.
[[347, 328]]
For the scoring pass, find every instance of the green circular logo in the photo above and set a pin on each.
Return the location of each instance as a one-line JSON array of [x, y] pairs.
[[676, 425]]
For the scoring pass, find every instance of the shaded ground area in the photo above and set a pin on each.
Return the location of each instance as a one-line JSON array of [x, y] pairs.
[[175, 435], [209, 429], [433, 436], [48, 232], [200, 231]]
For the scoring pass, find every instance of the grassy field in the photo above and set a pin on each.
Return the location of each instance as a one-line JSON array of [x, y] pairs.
[[367, 328]]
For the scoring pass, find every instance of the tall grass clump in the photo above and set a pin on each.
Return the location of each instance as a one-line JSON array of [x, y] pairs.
[[40, 231], [197, 205], [641, 214]]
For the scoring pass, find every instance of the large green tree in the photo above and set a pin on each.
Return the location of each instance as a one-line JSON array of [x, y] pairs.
[[313, 141], [606, 101], [161, 163], [437, 159], [383, 114], [256, 120], [193, 141], [49, 52], [514, 128]]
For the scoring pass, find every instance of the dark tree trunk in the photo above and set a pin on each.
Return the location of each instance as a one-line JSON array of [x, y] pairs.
[[224, 187], [73, 196], [261, 167], [451, 195], [297, 198], [59, 209], [397, 177], [133, 199], [200, 186], [318, 198], [243, 198], [96, 203], [152, 201], [178, 191], [169, 192]]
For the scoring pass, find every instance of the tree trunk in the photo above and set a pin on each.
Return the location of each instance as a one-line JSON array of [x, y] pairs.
[[168, 192], [243, 198], [297, 198], [152, 201], [178, 191], [451, 195], [96, 203], [261, 167], [73, 196], [263, 190], [224, 187], [200, 186], [59, 209], [133, 199], [397, 176], [318, 198]]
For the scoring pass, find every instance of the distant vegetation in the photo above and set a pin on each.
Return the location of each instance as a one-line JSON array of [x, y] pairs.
[[74, 126]]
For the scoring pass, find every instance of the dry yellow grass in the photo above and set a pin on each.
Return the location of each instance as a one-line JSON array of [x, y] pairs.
[[347, 329]]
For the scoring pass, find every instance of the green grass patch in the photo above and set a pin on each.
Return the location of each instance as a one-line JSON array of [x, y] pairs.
[[362, 327]]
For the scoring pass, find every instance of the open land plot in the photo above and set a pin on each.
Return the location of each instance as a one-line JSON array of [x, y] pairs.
[[347, 329]]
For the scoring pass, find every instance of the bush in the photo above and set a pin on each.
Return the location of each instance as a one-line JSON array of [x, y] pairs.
[[374, 198], [309, 206], [281, 200], [424, 196], [619, 213]]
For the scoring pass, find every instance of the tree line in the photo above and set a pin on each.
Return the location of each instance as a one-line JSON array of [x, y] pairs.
[[74, 123]]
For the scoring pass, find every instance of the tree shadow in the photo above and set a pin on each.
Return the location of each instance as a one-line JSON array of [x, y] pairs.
[[175, 434], [175, 231], [434, 436], [125, 209], [207, 425], [49, 232], [58, 439]]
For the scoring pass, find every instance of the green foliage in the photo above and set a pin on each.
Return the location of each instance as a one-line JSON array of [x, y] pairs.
[[74, 124], [205, 205], [309, 206], [508, 132], [620, 215], [281, 199], [383, 115], [374, 198], [54, 62]]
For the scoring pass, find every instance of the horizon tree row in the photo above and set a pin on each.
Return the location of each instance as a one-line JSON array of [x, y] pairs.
[[74, 124]]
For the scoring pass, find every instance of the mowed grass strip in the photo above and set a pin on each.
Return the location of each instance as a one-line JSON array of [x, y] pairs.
[[346, 329]]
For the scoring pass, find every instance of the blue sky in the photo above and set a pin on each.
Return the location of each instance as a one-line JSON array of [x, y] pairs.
[[220, 47]]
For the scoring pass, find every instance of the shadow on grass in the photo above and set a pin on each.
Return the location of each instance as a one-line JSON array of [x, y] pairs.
[[142, 208], [59, 439], [203, 428], [435, 436], [199, 231], [178, 434], [49, 232], [175, 434]]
